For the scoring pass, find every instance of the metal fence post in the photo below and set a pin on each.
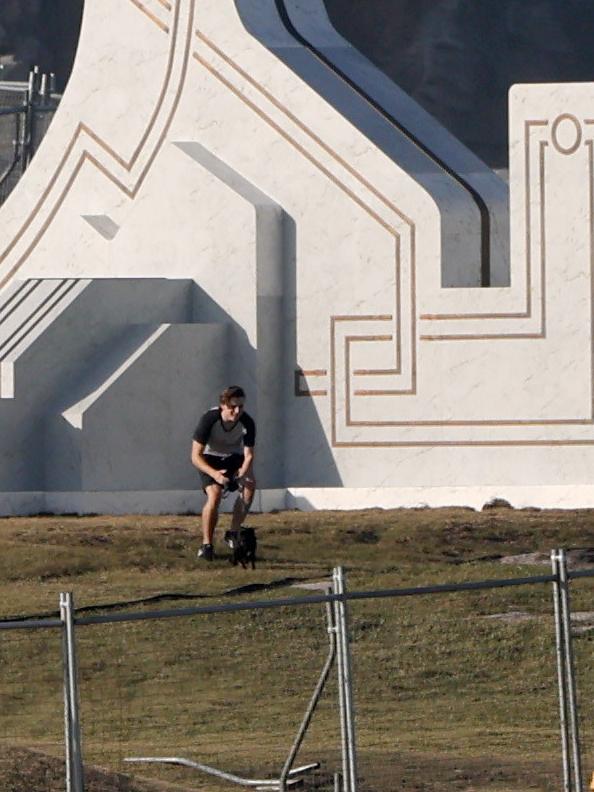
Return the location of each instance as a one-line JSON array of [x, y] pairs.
[[570, 671], [331, 630], [74, 767], [572, 760], [345, 685], [341, 695], [561, 676], [27, 127]]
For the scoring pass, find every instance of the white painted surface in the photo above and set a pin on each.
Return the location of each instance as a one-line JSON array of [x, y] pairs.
[[317, 245], [190, 502]]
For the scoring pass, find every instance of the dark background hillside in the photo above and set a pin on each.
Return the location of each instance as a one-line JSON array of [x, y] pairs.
[[38, 32], [456, 57]]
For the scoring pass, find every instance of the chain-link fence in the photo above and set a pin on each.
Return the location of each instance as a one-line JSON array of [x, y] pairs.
[[241, 683], [26, 111], [582, 649], [32, 715], [452, 697], [471, 685]]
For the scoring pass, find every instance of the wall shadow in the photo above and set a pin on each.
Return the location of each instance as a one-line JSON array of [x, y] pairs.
[[284, 465]]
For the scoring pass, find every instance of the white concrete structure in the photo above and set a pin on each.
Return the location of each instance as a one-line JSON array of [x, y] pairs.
[[230, 193]]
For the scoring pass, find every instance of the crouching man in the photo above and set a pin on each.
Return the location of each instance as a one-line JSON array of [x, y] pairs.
[[223, 452]]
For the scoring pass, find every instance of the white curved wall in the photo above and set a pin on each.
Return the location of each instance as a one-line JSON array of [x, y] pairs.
[[192, 145]]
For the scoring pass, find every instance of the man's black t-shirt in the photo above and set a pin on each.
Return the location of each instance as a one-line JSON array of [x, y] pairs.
[[219, 441]]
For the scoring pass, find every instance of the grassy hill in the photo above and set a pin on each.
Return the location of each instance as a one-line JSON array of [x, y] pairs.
[[453, 691]]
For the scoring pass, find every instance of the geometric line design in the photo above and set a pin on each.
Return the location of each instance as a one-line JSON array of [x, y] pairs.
[[560, 422], [527, 312], [240, 94], [82, 131]]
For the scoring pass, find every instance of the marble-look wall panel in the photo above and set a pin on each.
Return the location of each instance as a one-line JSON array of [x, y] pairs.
[[111, 117], [471, 198], [115, 441], [198, 142]]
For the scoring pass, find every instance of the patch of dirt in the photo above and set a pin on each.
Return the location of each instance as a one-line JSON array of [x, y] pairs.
[[582, 622], [512, 617], [420, 773], [526, 559], [25, 770], [577, 557]]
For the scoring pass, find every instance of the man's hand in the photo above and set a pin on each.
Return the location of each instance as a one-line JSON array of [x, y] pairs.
[[221, 479]]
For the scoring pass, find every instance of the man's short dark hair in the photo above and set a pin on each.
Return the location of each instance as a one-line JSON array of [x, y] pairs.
[[232, 392]]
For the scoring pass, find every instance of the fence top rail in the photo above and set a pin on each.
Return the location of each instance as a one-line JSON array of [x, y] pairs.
[[50, 107], [12, 110], [30, 624], [314, 599], [13, 85], [580, 573], [233, 607]]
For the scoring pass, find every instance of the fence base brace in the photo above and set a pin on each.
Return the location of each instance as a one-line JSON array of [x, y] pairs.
[[264, 784]]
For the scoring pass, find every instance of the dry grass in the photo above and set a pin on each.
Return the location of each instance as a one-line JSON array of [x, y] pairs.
[[452, 691]]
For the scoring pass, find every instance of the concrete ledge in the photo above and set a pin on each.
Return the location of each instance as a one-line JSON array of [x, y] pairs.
[[304, 499], [21, 503], [350, 499], [14, 504]]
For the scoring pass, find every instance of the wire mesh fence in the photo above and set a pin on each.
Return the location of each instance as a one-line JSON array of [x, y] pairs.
[[455, 686], [241, 683], [26, 111], [12, 109], [31, 710], [453, 698], [582, 628]]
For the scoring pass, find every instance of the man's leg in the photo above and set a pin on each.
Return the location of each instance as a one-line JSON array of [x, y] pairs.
[[242, 504], [210, 512]]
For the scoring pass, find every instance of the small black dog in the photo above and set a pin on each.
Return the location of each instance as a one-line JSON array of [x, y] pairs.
[[243, 546]]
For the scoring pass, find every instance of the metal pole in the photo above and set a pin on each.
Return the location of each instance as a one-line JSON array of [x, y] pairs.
[[31, 83], [73, 738], [561, 678], [343, 640], [313, 701], [341, 691], [23, 126], [28, 121], [44, 88], [67, 757], [32, 93], [570, 671]]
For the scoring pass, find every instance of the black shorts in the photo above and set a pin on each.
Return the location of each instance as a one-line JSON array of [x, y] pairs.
[[230, 464]]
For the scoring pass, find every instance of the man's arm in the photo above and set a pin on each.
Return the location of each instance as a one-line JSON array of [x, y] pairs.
[[249, 441], [248, 460], [199, 462]]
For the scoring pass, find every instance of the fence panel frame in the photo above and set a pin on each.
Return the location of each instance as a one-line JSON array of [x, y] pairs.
[[336, 600]]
